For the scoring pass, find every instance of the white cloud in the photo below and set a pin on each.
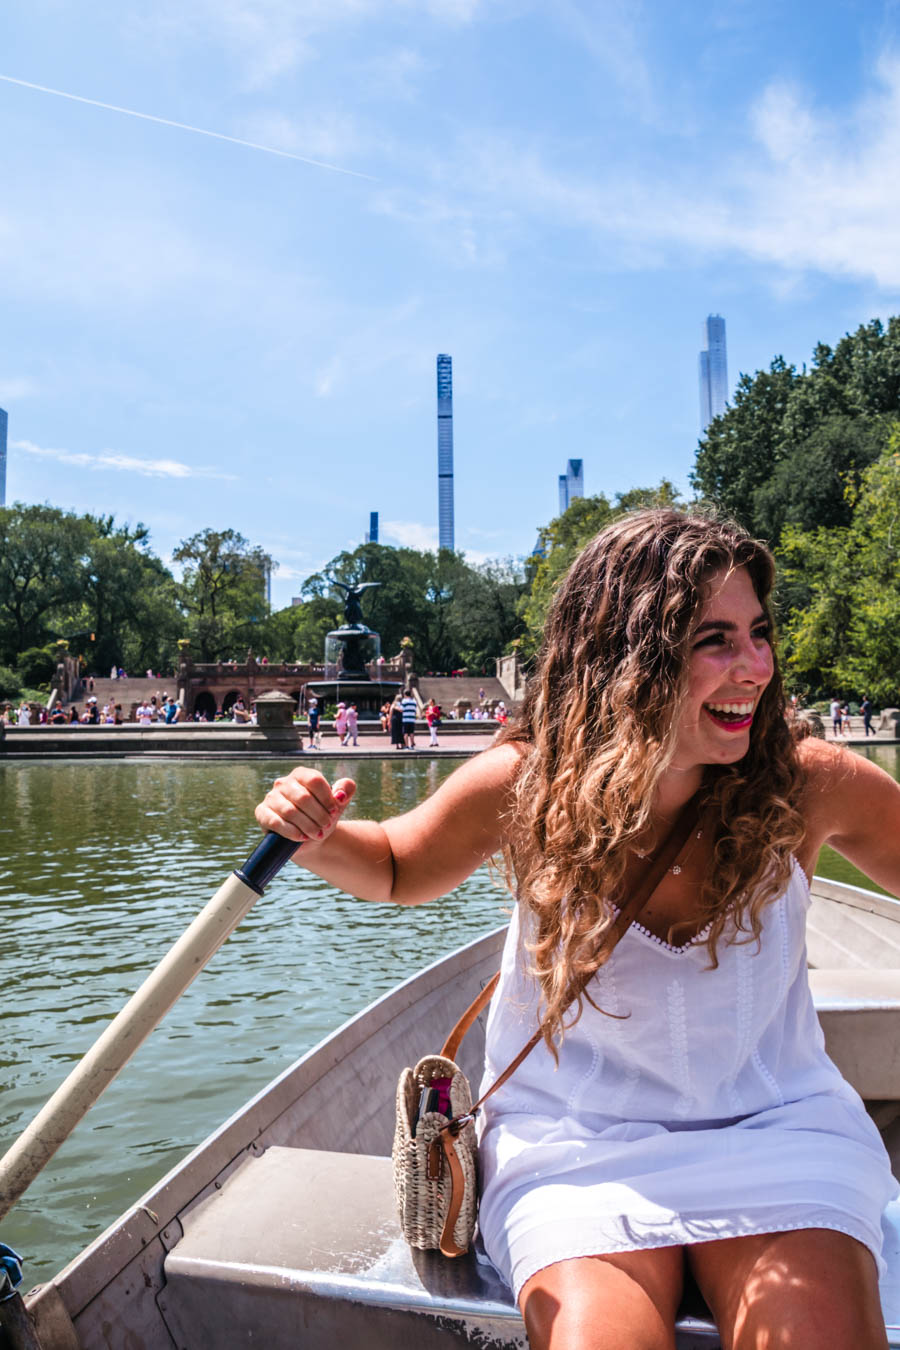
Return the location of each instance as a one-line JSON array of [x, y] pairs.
[[454, 11], [18, 387], [329, 134], [108, 459], [410, 534], [396, 74], [373, 342], [610, 31], [807, 190], [271, 38]]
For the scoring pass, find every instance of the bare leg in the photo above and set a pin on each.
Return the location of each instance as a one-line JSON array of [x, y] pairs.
[[625, 1301], [805, 1290]]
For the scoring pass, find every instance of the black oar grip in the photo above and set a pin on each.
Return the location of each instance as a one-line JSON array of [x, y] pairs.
[[266, 861]]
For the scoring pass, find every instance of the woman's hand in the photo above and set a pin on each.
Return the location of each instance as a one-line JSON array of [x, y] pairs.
[[304, 806]]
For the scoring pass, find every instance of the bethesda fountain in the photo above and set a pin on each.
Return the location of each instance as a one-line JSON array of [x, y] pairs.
[[351, 652]]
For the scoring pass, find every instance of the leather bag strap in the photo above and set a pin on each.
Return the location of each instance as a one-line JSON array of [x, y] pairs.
[[457, 1186], [480, 1002], [656, 869]]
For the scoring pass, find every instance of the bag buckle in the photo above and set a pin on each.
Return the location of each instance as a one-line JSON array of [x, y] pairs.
[[456, 1124]]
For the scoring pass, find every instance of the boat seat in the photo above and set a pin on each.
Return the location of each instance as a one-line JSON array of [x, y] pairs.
[[859, 1011], [301, 1250]]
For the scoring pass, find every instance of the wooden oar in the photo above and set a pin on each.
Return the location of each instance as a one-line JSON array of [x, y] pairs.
[[131, 1027]]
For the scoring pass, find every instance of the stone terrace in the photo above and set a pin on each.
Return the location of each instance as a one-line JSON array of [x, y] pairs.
[[445, 690]]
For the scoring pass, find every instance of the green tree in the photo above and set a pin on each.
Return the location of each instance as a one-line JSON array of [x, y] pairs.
[[128, 598], [789, 443], [10, 683], [640, 499], [844, 632], [741, 447], [809, 484], [310, 622], [222, 592], [486, 612], [36, 666], [41, 555], [559, 544], [455, 613]]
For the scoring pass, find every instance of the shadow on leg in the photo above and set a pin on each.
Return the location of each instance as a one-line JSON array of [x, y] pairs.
[[804, 1290], [624, 1301]]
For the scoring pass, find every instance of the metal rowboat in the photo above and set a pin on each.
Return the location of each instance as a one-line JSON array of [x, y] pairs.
[[278, 1231]]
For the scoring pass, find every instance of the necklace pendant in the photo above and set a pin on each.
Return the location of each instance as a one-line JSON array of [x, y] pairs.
[[675, 870]]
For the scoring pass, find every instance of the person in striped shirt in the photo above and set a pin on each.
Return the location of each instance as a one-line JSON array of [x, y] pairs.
[[410, 708]]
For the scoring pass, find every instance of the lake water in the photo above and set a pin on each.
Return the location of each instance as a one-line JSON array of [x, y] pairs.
[[102, 866]]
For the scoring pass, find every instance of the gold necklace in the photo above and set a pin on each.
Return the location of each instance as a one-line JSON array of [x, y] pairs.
[[675, 869]]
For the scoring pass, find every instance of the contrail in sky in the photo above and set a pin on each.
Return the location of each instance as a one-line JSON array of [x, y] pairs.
[[183, 126]]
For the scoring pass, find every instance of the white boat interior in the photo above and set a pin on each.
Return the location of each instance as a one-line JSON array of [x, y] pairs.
[[279, 1230]]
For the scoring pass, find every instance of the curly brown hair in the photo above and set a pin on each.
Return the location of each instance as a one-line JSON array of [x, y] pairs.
[[598, 730]]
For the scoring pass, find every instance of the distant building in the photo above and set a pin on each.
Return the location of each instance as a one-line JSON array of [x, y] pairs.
[[571, 484], [372, 531], [445, 451], [713, 371], [4, 424]]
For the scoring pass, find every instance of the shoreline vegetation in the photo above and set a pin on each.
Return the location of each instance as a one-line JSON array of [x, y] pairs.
[[808, 460]]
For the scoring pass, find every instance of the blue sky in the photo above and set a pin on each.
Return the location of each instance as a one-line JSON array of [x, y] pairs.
[[198, 333]]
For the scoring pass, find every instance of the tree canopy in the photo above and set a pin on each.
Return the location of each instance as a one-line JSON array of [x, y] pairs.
[[790, 442], [808, 459]]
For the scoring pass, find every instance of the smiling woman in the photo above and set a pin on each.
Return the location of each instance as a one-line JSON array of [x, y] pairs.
[[730, 664], [679, 1112]]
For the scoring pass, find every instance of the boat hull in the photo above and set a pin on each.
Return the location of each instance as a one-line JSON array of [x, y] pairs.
[[149, 1278]]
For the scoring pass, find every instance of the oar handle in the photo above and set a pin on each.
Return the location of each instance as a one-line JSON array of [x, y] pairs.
[[266, 861]]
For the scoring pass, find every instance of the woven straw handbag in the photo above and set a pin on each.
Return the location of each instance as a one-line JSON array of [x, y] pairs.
[[434, 1156], [435, 1179]]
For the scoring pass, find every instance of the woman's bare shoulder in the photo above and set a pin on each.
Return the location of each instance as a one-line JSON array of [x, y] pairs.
[[822, 760], [847, 799]]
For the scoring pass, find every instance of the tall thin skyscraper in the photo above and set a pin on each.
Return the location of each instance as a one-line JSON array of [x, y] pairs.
[[713, 371], [445, 451], [372, 532], [4, 423], [571, 484]]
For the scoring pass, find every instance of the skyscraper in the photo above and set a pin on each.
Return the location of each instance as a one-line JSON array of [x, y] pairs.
[[571, 484], [713, 371], [4, 422], [445, 451], [372, 531]]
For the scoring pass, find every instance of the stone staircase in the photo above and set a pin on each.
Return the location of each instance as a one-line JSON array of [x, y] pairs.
[[445, 690], [133, 689]]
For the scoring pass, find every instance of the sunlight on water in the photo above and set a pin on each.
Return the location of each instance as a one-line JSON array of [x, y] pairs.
[[103, 866]]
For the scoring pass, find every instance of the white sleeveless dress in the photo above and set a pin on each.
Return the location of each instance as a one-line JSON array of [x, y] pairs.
[[710, 1111]]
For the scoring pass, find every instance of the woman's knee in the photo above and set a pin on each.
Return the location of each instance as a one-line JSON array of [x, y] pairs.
[[799, 1290], [626, 1301]]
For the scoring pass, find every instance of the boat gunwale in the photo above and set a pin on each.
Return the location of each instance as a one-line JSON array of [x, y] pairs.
[[149, 1216], [855, 897]]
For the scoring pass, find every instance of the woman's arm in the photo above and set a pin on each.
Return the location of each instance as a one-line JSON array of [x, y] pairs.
[[854, 806], [407, 859]]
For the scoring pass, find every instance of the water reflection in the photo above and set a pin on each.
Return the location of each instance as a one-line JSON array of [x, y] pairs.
[[103, 865]]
